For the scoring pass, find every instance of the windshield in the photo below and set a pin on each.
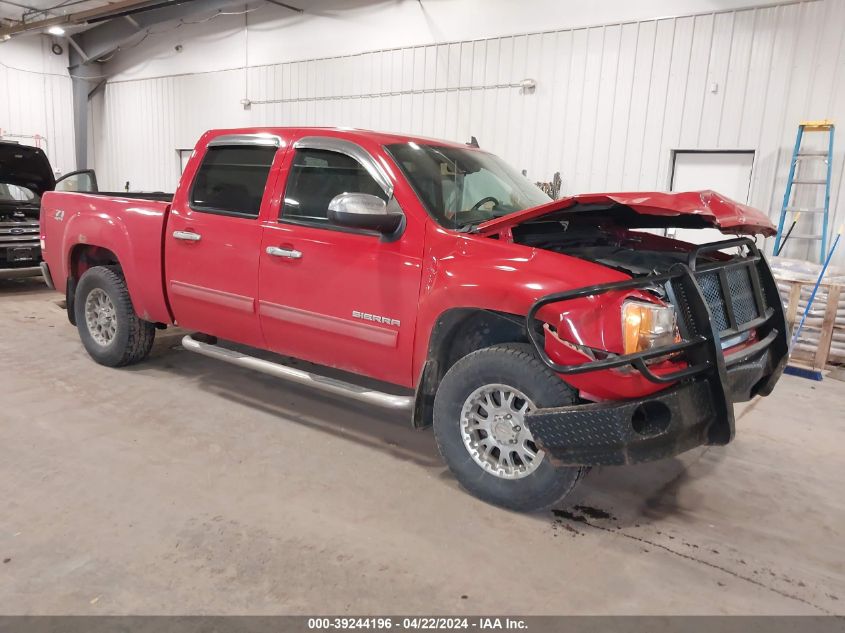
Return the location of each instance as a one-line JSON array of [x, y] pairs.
[[14, 193], [462, 187]]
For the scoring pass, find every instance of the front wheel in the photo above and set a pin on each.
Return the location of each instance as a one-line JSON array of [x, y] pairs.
[[110, 330], [479, 424]]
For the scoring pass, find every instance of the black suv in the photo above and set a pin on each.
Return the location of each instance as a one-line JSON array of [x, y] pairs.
[[25, 174]]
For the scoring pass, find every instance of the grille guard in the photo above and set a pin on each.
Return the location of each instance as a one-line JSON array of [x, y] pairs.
[[700, 346]]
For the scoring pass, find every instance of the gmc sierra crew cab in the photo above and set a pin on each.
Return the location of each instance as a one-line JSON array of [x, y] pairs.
[[539, 337]]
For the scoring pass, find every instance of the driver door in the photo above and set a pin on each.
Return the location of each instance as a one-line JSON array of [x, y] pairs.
[[336, 296]]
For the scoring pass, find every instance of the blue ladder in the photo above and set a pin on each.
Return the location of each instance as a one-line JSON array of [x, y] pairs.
[[827, 126]]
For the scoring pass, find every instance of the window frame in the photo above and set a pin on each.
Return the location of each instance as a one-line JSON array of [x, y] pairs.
[[236, 140], [92, 178], [354, 151]]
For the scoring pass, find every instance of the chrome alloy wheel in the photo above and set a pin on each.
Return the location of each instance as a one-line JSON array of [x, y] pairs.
[[494, 432], [100, 317]]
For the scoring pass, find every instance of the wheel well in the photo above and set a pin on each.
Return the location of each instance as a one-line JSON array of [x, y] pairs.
[[83, 257], [455, 334]]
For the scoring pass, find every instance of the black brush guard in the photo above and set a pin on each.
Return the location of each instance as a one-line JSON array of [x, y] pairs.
[[699, 408]]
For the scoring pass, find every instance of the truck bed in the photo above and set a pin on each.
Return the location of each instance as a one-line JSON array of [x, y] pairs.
[[157, 196], [132, 226]]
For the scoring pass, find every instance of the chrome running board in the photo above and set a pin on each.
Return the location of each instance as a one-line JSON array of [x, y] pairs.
[[356, 392]]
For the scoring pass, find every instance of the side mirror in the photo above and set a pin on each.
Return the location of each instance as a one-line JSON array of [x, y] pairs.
[[363, 211]]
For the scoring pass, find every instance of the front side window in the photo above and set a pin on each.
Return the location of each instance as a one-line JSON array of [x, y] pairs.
[[231, 180], [316, 177], [461, 187]]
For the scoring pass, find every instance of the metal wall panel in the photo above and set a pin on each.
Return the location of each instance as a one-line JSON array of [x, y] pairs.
[[611, 103], [38, 104]]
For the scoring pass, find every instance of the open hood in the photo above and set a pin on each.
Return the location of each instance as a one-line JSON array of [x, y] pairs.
[[25, 166], [700, 209]]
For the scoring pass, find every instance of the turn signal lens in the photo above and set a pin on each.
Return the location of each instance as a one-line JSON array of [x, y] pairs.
[[647, 325]]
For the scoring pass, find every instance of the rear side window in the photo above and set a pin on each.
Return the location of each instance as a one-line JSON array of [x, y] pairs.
[[316, 177], [231, 180]]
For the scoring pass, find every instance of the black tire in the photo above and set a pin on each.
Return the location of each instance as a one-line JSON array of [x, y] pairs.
[[515, 365], [133, 337]]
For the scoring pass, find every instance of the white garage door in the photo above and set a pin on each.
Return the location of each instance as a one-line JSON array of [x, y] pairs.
[[728, 173]]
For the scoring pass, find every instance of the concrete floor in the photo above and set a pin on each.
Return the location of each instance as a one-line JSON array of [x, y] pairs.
[[183, 485]]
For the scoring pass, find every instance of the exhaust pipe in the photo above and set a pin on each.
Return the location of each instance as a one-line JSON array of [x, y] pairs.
[[330, 385]]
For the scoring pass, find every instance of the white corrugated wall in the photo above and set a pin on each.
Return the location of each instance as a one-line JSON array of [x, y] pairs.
[[611, 101], [36, 102]]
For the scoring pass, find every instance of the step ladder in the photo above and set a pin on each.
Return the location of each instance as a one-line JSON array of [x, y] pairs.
[[795, 180]]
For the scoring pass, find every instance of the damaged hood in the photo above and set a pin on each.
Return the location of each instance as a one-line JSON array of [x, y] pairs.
[[25, 166], [708, 207]]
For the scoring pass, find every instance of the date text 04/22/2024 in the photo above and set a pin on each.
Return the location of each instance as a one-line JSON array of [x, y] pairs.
[[417, 623]]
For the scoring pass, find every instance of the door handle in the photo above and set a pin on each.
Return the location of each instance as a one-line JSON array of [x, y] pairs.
[[188, 236], [290, 253]]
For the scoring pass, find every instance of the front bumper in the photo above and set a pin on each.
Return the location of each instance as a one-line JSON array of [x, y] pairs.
[[698, 408], [629, 432], [18, 273], [645, 429]]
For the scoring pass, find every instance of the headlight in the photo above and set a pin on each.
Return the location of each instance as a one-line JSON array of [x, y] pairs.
[[647, 325]]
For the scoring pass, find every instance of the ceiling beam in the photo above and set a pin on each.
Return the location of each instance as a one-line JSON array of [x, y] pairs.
[[78, 49], [87, 74], [52, 10], [103, 39], [286, 6], [18, 5], [81, 17]]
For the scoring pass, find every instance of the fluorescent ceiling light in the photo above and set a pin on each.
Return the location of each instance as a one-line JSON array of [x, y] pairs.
[[56, 30]]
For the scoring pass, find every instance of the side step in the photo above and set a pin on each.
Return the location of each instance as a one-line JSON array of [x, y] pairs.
[[356, 392]]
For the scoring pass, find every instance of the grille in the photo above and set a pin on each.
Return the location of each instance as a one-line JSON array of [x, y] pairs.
[[19, 233], [742, 295], [682, 305], [739, 290], [712, 290]]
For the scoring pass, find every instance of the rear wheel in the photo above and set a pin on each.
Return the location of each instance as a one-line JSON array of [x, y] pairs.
[[479, 424], [110, 330]]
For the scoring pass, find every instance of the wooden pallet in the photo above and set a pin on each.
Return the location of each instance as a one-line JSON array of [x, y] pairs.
[[810, 363]]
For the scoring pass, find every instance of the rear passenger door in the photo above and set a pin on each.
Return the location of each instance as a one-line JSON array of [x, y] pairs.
[[213, 238]]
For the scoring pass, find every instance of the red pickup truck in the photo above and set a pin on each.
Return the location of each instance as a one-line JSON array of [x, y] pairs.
[[539, 337]]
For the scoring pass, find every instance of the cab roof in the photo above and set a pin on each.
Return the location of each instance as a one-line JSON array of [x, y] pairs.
[[382, 138]]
